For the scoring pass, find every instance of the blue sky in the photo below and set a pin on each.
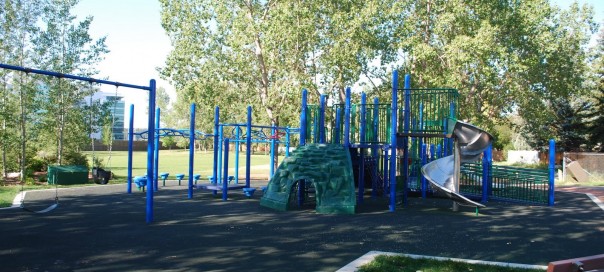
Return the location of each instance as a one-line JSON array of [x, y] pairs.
[[139, 44]]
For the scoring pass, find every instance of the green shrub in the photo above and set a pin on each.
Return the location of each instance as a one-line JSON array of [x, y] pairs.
[[75, 158], [37, 164]]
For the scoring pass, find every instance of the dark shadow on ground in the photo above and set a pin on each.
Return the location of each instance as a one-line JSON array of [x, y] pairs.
[[103, 229]]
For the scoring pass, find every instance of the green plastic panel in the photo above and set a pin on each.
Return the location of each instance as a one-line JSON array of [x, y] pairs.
[[327, 166]]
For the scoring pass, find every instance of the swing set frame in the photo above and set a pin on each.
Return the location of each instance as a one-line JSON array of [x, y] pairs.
[[151, 125]]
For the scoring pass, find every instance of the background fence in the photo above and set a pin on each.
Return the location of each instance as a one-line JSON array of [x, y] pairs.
[[591, 162]]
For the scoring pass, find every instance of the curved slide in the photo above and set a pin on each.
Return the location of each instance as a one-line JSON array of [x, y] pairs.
[[471, 142]]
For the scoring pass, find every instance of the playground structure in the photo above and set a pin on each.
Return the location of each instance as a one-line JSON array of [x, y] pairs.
[[224, 135], [399, 149], [374, 134]]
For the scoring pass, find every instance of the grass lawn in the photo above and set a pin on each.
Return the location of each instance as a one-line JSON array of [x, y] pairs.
[[177, 162], [8, 193], [384, 263], [171, 161]]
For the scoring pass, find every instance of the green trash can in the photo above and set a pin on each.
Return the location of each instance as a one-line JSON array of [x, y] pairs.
[[67, 174]]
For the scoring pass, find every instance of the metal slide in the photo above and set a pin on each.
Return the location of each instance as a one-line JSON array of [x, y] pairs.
[[470, 142]]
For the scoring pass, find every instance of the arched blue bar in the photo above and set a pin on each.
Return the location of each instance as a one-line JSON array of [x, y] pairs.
[[130, 142], [191, 149]]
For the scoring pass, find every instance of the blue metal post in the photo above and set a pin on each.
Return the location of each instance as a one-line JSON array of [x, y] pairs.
[[376, 121], [220, 150], [191, 149], [386, 172], [322, 120], [487, 159], [347, 119], [449, 141], [363, 117], [420, 127], [439, 150], [237, 140], [303, 118], [216, 145], [156, 174], [272, 152], [150, 154], [248, 143], [406, 125], [225, 179], [423, 178], [552, 169], [287, 139], [393, 138], [338, 126], [130, 143], [362, 141]]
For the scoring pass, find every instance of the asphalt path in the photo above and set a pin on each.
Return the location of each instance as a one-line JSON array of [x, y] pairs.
[[102, 228]]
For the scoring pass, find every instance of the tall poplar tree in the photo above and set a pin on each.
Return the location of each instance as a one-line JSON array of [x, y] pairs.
[[65, 46], [18, 28]]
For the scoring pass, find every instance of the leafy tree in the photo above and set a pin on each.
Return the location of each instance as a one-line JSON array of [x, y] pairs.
[[19, 98], [65, 46], [168, 141], [262, 53], [596, 116]]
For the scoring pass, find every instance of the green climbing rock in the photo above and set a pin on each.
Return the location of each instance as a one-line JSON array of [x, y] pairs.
[[327, 166]]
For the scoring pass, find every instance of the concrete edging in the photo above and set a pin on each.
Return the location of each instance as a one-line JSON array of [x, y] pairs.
[[369, 256], [596, 200]]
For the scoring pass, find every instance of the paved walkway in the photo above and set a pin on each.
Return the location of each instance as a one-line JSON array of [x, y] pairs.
[[103, 229], [595, 191]]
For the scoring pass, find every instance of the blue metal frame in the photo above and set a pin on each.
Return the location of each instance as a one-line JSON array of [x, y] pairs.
[[150, 144], [130, 140], [191, 150]]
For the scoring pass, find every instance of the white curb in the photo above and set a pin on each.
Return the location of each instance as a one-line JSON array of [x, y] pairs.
[[369, 256]]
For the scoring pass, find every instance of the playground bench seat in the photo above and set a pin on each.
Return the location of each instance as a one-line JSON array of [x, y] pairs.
[[140, 182]]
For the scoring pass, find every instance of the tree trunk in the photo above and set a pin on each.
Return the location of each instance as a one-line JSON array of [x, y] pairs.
[[4, 98]]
